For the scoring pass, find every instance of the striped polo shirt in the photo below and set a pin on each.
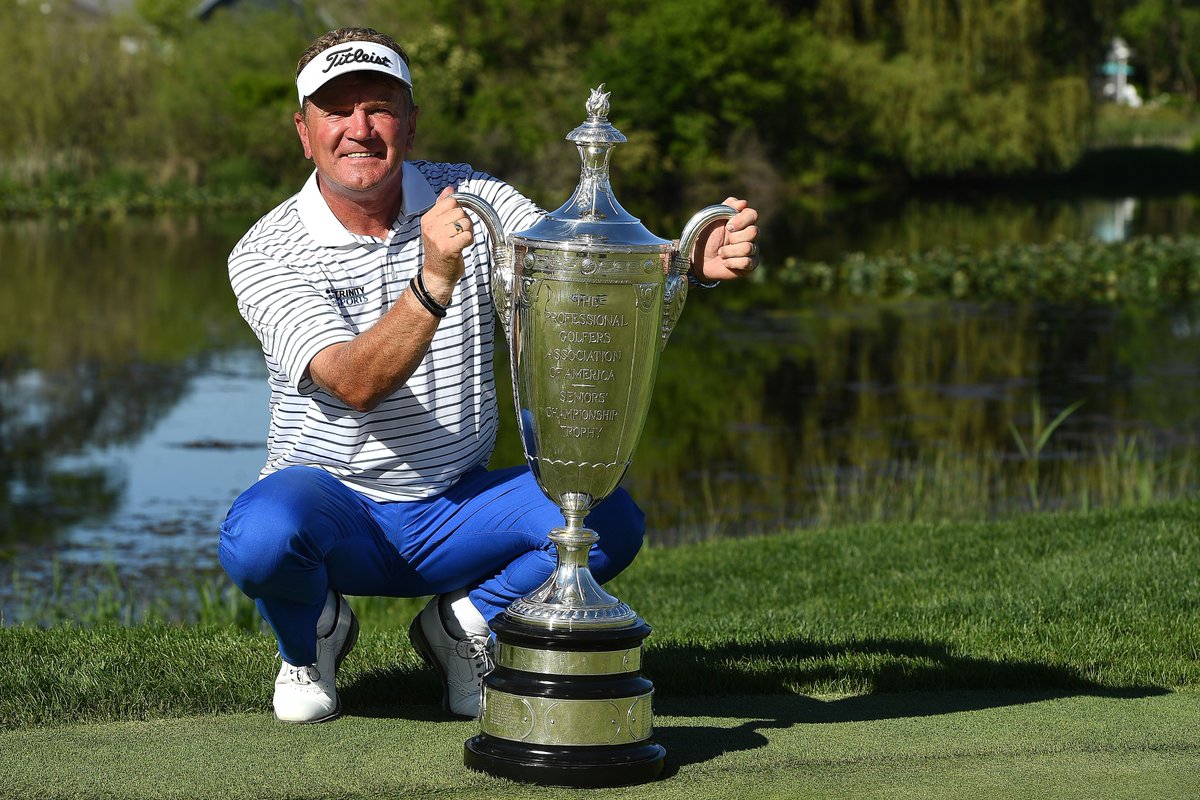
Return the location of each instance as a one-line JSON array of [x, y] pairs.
[[303, 282]]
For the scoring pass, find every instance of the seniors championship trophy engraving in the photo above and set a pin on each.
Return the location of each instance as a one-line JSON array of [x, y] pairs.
[[588, 298]]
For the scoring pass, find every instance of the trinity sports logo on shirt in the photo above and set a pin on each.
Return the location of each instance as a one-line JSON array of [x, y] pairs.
[[350, 296]]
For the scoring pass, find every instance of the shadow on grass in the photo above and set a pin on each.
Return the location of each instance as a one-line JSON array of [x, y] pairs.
[[768, 684], [886, 678], [695, 744], [853, 667], [411, 692]]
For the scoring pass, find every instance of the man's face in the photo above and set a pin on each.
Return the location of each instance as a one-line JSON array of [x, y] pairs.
[[357, 129]]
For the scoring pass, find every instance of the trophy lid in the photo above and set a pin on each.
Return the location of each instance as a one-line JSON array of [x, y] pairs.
[[593, 216]]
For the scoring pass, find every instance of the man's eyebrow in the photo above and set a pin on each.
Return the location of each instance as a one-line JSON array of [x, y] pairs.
[[370, 105]]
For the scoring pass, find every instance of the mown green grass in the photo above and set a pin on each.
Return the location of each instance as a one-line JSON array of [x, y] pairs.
[[1054, 655], [1106, 601], [914, 745]]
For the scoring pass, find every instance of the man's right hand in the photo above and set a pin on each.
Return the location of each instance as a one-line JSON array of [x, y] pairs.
[[446, 231], [366, 370]]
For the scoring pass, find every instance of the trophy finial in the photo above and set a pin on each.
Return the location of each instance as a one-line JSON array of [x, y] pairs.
[[596, 129], [597, 103]]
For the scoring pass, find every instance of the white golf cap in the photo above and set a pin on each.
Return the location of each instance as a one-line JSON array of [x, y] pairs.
[[350, 57]]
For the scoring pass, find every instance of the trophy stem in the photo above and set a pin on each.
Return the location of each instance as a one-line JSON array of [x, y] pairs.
[[571, 598]]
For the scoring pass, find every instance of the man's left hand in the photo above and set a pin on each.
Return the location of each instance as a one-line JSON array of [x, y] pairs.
[[728, 249]]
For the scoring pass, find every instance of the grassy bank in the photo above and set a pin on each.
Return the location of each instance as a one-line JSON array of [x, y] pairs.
[[123, 195], [1170, 125], [1054, 654]]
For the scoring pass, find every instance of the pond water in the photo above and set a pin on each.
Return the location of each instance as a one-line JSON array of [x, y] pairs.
[[133, 399]]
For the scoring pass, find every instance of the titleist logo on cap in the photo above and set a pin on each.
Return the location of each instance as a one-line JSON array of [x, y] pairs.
[[337, 58], [350, 57]]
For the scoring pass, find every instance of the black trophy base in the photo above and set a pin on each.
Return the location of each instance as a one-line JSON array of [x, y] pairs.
[[557, 712], [560, 765]]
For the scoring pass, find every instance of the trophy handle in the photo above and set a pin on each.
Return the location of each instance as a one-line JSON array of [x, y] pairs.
[[502, 270], [675, 292]]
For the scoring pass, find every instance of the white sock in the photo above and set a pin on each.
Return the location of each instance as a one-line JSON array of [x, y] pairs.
[[464, 612], [328, 615]]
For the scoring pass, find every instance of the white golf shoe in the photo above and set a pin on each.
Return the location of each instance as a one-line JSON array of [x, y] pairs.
[[460, 662], [308, 693]]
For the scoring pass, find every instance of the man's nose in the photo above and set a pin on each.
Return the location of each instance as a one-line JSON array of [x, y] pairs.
[[360, 124]]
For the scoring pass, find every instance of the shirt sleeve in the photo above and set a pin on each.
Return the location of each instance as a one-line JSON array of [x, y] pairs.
[[516, 211], [292, 317]]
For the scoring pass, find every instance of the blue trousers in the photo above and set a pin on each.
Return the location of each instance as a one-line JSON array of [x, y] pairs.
[[300, 531]]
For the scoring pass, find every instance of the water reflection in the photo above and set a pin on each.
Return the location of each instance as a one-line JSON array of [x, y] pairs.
[[1113, 219], [133, 399], [922, 223], [179, 476], [102, 328], [775, 414], [48, 415]]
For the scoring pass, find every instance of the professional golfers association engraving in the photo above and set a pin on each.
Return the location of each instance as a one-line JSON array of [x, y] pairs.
[[587, 298]]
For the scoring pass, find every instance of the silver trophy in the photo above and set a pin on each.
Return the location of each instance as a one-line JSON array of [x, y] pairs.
[[587, 298]]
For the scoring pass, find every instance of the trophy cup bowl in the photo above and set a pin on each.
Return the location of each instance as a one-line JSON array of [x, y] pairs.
[[587, 298]]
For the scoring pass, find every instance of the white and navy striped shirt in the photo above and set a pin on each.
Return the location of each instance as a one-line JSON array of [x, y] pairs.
[[303, 282]]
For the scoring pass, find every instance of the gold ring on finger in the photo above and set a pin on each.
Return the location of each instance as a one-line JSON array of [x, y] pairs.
[[458, 228]]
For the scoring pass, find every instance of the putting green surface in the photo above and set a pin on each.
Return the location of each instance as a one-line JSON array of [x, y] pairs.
[[911, 745]]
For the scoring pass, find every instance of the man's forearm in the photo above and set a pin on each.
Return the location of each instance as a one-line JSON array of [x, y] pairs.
[[370, 367]]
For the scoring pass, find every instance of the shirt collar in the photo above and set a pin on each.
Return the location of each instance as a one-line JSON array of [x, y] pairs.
[[328, 231], [419, 196]]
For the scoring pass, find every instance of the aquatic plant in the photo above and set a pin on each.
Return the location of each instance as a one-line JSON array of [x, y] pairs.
[[1144, 269], [1039, 436]]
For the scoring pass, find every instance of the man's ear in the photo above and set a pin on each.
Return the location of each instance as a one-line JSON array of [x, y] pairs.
[[412, 127], [302, 132]]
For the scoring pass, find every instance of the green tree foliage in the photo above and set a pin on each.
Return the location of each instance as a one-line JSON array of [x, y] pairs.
[[953, 88], [225, 112], [1165, 38], [66, 89], [765, 98], [717, 94]]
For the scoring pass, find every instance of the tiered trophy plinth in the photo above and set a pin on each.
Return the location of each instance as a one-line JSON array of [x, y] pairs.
[[566, 704], [584, 720]]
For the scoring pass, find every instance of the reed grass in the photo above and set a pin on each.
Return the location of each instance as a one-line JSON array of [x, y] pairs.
[[766, 491]]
